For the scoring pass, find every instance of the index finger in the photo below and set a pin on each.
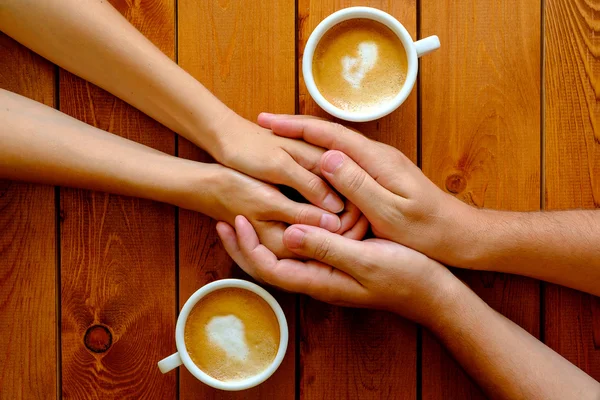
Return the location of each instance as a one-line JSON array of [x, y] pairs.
[[312, 278], [266, 119], [332, 136]]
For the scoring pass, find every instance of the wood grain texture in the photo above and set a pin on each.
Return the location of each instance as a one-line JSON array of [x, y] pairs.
[[118, 253], [480, 120], [348, 353], [28, 343], [572, 167], [243, 51]]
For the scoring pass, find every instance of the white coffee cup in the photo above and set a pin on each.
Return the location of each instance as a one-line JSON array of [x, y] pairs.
[[182, 356], [414, 50]]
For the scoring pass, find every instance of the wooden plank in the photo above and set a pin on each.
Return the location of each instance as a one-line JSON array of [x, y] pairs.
[[572, 163], [243, 51], [28, 342], [118, 253], [348, 353], [480, 119]]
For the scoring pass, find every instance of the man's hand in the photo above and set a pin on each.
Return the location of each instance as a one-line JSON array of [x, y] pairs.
[[401, 203], [374, 273], [404, 206]]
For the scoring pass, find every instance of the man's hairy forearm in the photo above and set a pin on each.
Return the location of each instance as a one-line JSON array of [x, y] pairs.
[[562, 247], [92, 40], [504, 359]]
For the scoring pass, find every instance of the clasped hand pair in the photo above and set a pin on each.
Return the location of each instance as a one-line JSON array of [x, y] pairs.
[[400, 204]]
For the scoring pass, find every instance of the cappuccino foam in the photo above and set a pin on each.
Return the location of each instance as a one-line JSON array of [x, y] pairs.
[[355, 68], [359, 65], [232, 334], [228, 333]]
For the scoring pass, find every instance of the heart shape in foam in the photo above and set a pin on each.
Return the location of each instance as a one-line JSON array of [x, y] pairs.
[[228, 333], [354, 69]]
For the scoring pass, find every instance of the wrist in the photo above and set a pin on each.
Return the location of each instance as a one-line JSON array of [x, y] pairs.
[[227, 130], [465, 231], [454, 302], [182, 183], [188, 184], [196, 114], [217, 133], [433, 296]]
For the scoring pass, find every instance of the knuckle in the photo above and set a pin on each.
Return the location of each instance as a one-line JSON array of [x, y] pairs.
[[384, 147], [355, 182], [395, 157], [312, 159], [272, 196], [322, 249], [277, 169], [338, 128], [265, 207], [264, 274], [390, 213], [315, 185], [259, 273], [412, 210], [281, 157], [302, 216]]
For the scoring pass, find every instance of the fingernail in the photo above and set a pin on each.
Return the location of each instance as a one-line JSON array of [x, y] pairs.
[[267, 116], [330, 222], [294, 238], [333, 203], [332, 161]]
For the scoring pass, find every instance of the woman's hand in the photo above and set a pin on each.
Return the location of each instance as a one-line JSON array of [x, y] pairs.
[[223, 193], [401, 203], [133, 69], [257, 152], [374, 273]]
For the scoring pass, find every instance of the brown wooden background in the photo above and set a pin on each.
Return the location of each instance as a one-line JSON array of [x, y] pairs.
[[505, 115]]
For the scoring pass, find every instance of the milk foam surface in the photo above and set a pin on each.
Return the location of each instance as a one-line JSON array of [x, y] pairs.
[[354, 69], [359, 65], [228, 333], [232, 334]]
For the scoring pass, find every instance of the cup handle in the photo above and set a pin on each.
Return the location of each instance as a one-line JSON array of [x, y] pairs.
[[170, 363], [427, 45]]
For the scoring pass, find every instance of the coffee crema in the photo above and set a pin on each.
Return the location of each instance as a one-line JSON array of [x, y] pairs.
[[232, 334], [359, 65]]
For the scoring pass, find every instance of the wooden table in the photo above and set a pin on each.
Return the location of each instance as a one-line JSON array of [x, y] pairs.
[[505, 115]]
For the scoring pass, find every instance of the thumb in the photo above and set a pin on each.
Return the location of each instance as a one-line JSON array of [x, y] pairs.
[[345, 254], [354, 183]]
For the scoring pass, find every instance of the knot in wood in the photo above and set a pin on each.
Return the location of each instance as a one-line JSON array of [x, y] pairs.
[[456, 183], [97, 339]]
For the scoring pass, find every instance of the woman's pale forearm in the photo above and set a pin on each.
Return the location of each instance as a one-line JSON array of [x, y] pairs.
[[505, 360], [40, 144], [555, 246], [92, 40]]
